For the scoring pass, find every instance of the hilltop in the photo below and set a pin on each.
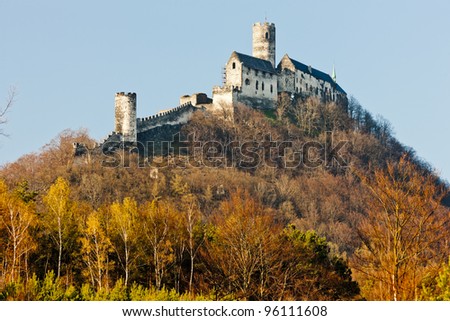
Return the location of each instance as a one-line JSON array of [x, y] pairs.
[[307, 177]]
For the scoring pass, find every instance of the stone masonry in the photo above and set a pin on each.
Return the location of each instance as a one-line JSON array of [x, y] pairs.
[[254, 81]]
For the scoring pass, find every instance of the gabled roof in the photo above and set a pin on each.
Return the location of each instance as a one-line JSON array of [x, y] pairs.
[[315, 73], [254, 63]]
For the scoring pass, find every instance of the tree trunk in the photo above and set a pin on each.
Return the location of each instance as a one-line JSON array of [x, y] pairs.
[[191, 277], [126, 263], [60, 247]]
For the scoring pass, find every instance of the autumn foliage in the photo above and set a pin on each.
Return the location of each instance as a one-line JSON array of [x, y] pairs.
[[234, 253], [376, 228]]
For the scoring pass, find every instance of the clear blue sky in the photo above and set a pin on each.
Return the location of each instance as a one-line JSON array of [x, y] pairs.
[[68, 58]]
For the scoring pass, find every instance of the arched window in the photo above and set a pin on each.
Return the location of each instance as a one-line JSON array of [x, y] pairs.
[[247, 81], [234, 65], [271, 88], [267, 35], [257, 84], [262, 86]]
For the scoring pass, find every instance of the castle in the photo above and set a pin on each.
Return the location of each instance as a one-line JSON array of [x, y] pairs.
[[253, 81]]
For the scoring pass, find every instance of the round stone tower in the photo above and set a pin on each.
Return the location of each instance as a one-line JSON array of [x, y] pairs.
[[125, 110], [264, 41]]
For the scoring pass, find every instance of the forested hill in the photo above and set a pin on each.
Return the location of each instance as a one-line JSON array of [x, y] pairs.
[[312, 201]]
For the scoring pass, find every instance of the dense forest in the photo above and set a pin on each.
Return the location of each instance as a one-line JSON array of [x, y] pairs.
[[314, 201]]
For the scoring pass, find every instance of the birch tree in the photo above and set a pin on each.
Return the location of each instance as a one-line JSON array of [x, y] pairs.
[[96, 247], [159, 225], [16, 219], [124, 216], [59, 216], [195, 231]]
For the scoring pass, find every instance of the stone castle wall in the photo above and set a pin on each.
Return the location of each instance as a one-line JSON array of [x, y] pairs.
[[248, 81], [175, 116], [196, 99], [156, 128]]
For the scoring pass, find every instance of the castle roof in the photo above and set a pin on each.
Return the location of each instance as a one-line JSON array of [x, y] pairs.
[[313, 72], [255, 63]]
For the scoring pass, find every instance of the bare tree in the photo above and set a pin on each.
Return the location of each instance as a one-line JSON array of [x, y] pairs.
[[4, 110], [404, 232]]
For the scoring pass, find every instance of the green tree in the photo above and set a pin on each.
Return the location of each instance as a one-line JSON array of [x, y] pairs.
[[310, 271], [438, 288]]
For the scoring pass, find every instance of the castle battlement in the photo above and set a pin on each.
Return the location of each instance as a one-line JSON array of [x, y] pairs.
[[164, 113], [126, 94], [254, 81], [178, 115], [264, 24]]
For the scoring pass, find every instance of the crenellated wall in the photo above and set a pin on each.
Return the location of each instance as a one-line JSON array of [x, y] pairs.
[[248, 80], [175, 116]]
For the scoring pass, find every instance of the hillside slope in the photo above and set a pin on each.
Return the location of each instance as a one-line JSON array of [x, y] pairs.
[[287, 180]]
